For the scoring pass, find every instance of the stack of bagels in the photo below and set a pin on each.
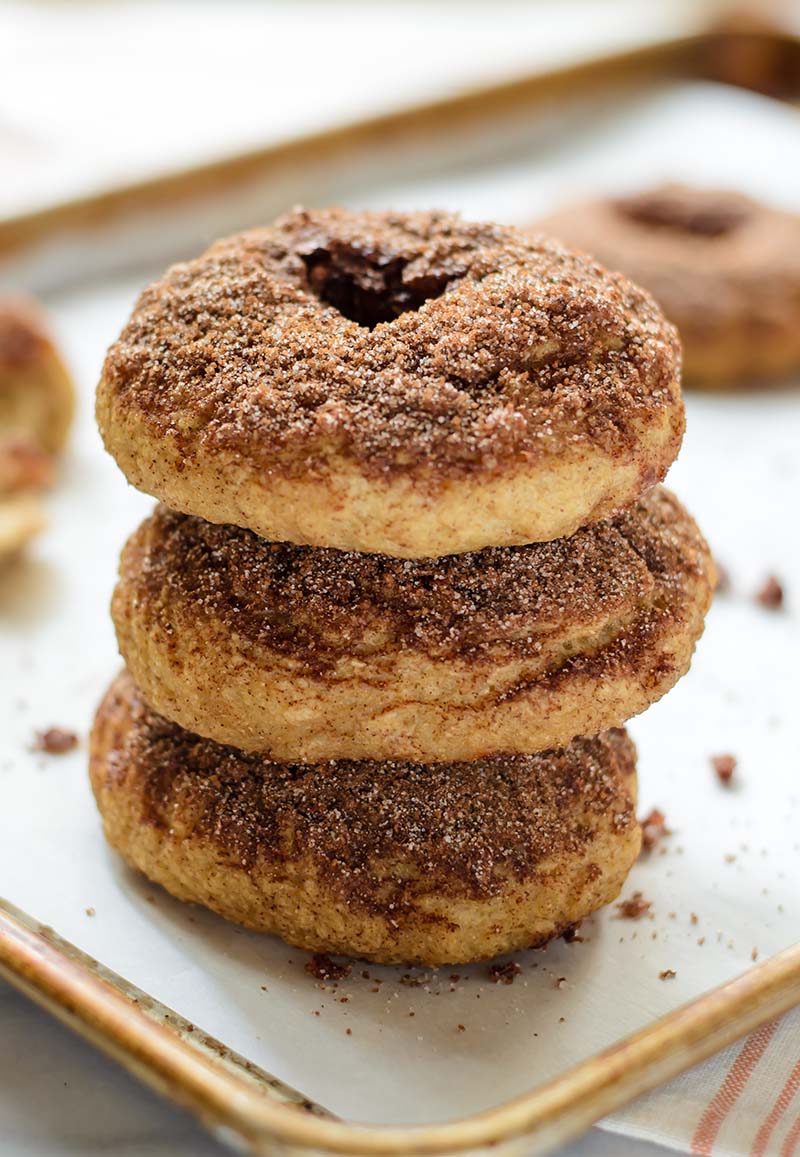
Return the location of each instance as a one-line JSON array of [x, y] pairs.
[[412, 574]]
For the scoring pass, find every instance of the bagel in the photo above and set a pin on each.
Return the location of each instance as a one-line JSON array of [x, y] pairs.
[[394, 862], [403, 384], [37, 396], [319, 654], [724, 268]]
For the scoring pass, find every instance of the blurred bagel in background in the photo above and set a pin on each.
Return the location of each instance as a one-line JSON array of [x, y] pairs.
[[724, 268]]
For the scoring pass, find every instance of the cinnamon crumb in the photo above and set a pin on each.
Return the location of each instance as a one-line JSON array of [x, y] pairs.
[[453, 385], [654, 829], [461, 1028], [560, 982], [724, 766], [770, 594], [505, 973], [55, 741], [90, 911], [667, 974], [633, 908], [723, 583], [570, 934], [348, 1031], [321, 967]]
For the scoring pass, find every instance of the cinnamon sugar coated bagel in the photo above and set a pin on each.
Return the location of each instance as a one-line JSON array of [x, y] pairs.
[[395, 862], [37, 396], [311, 654], [412, 385], [724, 268]]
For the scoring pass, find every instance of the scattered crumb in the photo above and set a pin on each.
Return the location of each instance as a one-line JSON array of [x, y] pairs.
[[55, 741], [264, 988], [560, 982], [754, 954], [570, 935], [654, 828], [409, 981], [667, 974], [90, 911], [634, 908], [348, 1032], [770, 594], [730, 858], [724, 766], [723, 583], [694, 918], [505, 973], [461, 1028], [321, 967], [562, 1020]]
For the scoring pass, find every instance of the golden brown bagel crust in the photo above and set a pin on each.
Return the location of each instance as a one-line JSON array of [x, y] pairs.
[[318, 654], [37, 397], [396, 862], [724, 268], [412, 385]]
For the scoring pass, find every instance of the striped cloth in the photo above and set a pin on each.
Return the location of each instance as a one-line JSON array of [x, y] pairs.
[[745, 1102]]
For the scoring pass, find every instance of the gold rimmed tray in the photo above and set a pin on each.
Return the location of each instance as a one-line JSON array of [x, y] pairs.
[[254, 1110]]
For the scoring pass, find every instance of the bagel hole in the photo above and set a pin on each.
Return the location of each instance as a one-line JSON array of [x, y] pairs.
[[683, 212], [368, 288]]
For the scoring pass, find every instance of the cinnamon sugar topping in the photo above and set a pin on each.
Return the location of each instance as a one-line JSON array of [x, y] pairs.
[[320, 604], [397, 340], [458, 828]]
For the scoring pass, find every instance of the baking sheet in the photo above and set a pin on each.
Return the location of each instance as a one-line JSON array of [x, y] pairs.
[[726, 877]]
